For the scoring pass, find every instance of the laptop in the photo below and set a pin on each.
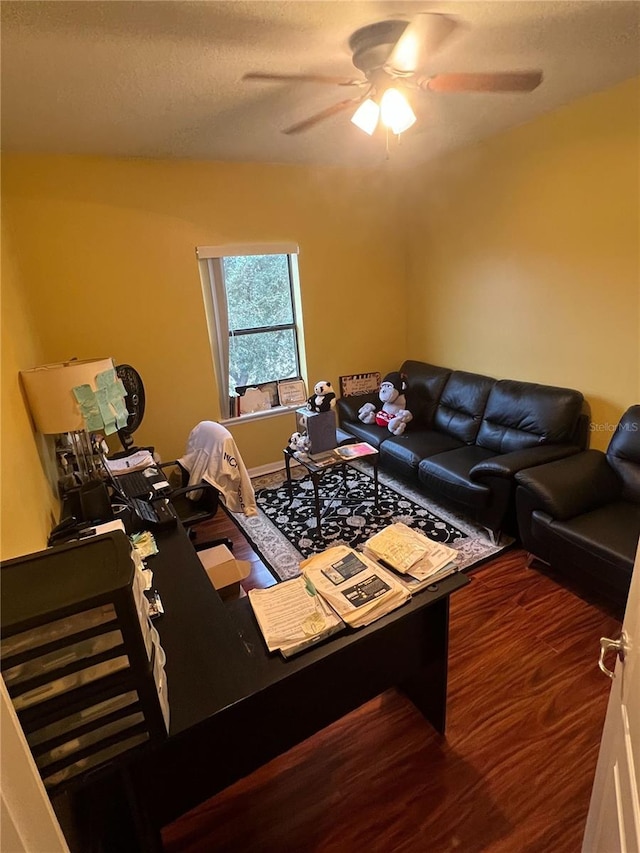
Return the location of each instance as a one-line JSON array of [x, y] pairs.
[[147, 483]]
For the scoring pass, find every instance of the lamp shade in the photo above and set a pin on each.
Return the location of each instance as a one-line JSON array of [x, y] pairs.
[[395, 111], [49, 391], [366, 116]]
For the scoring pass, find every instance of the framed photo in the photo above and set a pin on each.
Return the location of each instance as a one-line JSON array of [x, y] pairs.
[[357, 384], [292, 392]]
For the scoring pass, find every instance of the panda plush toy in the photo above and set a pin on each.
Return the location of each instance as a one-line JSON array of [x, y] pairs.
[[323, 399], [299, 441], [393, 413]]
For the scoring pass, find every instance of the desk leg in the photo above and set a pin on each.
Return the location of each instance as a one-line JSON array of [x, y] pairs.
[[427, 686]]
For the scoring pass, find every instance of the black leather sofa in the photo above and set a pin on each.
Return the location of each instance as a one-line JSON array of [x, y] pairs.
[[470, 434], [582, 515]]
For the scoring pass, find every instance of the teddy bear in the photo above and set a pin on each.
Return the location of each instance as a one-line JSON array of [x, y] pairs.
[[393, 414], [323, 398], [299, 441]]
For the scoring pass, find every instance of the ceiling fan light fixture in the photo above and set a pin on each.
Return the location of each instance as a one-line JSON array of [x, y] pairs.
[[366, 116], [395, 111], [406, 54]]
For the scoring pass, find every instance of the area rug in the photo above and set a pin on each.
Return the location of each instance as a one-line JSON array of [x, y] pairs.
[[283, 532]]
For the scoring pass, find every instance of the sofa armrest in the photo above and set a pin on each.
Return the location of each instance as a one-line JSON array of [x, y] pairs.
[[348, 407], [507, 465], [572, 486]]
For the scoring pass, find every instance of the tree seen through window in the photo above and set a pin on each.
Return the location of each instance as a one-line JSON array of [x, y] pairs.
[[262, 334]]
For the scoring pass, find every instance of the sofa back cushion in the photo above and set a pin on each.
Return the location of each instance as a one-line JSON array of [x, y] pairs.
[[623, 453], [524, 414], [462, 404], [424, 387]]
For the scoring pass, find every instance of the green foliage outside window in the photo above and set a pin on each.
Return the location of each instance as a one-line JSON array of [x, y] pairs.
[[258, 290]]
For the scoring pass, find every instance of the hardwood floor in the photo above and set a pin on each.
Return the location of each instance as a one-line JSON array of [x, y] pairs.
[[513, 774]]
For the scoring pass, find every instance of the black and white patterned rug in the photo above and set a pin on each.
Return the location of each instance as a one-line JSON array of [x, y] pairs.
[[283, 532]]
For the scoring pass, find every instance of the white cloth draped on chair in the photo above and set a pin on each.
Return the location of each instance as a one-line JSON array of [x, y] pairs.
[[212, 456]]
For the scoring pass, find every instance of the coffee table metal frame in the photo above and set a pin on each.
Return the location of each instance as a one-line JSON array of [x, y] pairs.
[[316, 474]]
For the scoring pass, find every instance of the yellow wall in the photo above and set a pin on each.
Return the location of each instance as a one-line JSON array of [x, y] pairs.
[[107, 257], [518, 257], [525, 252], [27, 505]]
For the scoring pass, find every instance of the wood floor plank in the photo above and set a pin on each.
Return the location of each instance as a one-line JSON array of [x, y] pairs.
[[513, 774]]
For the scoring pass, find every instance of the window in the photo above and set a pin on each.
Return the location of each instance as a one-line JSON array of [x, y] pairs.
[[251, 294]]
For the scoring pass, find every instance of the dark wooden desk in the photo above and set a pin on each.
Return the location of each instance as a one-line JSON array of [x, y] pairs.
[[221, 680]]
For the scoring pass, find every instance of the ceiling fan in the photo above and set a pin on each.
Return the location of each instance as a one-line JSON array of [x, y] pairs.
[[393, 55]]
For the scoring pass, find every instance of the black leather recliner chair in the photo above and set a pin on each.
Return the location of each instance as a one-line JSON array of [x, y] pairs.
[[581, 515]]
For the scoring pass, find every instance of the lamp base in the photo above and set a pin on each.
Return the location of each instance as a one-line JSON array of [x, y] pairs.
[[76, 461]]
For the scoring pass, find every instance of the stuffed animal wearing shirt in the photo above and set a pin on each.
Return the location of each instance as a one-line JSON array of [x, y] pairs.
[[393, 414], [323, 399]]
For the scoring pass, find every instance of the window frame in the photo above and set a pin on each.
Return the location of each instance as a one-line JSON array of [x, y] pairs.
[[210, 261]]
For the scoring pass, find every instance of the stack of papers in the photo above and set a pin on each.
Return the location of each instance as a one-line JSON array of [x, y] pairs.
[[133, 462], [419, 560], [358, 589], [292, 616], [353, 451]]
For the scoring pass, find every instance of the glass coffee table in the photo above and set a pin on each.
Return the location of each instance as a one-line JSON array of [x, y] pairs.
[[317, 466]]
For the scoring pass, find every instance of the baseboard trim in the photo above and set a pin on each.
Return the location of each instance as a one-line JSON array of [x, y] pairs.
[[269, 468]]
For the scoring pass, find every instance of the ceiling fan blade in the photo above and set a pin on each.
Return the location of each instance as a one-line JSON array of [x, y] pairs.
[[424, 35], [507, 81], [304, 78], [321, 116]]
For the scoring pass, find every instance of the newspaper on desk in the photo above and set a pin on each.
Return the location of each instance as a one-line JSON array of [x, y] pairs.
[[419, 560], [358, 589], [292, 616]]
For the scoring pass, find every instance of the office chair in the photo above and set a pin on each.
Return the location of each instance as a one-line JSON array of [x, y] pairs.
[[211, 457], [193, 504]]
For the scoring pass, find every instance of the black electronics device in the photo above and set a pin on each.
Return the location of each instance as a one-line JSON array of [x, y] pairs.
[[139, 484], [69, 529], [154, 515]]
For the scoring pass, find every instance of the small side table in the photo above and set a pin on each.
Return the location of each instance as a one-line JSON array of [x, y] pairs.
[[316, 474]]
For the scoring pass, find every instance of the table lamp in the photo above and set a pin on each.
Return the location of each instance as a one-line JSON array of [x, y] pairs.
[[59, 401]]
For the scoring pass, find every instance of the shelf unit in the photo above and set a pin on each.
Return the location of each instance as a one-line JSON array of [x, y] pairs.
[[81, 660]]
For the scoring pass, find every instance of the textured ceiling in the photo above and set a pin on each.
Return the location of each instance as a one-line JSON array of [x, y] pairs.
[[164, 79]]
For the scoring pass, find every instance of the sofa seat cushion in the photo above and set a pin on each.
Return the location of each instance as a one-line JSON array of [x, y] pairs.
[[404, 452], [607, 535], [366, 432], [448, 474]]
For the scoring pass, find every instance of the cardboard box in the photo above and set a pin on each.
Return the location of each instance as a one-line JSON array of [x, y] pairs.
[[320, 427], [223, 570]]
